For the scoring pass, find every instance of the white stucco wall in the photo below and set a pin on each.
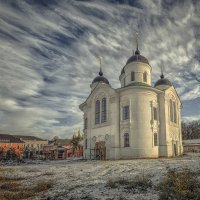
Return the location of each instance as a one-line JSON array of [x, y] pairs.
[[173, 130], [139, 68], [170, 132], [140, 123], [107, 131]]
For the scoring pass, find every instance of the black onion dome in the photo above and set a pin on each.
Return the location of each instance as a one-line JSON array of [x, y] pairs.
[[136, 58], [100, 78], [162, 81]]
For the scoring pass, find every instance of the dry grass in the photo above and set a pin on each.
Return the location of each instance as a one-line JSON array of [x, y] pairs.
[[31, 170], [2, 197], [4, 178], [43, 186], [12, 188], [139, 183], [2, 169], [48, 174], [111, 183], [7, 195], [180, 185]]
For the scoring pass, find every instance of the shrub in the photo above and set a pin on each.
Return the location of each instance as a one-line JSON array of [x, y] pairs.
[[18, 195], [180, 185], [111, 183], [42, 186], [4, 178], [115, 183], [2, 196], [10, 186], [140, 183], [48, 173]]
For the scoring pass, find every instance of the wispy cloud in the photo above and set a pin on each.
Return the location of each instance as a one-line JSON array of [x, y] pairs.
[[48, 53], [191, 118]]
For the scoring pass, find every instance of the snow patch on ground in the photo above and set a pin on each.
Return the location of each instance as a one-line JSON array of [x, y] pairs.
[[78, 179]]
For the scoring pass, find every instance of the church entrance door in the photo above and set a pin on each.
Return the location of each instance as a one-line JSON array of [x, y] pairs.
[[100, 149]]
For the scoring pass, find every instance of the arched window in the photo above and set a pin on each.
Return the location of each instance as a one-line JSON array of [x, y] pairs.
[[155, 139], [125, 113], [155, 114], [97, 112], [103, 115], [132, 76], [171, 110], [174, 109], [145, 76], [126, 140]]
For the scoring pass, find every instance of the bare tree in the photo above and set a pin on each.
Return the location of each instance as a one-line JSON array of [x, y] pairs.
[[191, 130]]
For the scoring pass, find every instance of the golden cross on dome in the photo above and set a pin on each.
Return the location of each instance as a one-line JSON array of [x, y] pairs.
[[137, 52]]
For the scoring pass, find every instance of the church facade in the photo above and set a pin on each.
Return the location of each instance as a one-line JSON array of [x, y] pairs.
[[137, 120]]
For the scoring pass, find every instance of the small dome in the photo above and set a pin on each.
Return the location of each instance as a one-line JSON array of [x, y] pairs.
[[136, 58], [100, 78], [163, 81]]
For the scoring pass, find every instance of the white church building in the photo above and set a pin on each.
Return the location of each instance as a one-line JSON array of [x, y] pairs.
[[137, 120]]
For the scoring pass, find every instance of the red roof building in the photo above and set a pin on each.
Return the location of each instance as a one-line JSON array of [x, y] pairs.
[[10, 146]]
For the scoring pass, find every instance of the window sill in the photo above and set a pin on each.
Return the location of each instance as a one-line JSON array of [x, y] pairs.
[[101, 125], [125, 121]]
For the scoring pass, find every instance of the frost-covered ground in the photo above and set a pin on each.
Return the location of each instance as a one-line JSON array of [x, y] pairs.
[[89, 179]]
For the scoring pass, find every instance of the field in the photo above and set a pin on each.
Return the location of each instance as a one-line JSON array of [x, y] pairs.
[[114, 180]]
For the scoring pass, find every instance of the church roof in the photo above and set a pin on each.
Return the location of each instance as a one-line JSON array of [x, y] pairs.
[[136, 58], [100, 78], [162, 81], [27, 137]]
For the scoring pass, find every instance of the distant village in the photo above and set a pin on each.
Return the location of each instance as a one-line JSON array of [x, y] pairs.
[[23, 147]]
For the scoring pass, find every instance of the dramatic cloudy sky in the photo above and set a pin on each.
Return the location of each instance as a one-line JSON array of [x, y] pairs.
[[48, 51]]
